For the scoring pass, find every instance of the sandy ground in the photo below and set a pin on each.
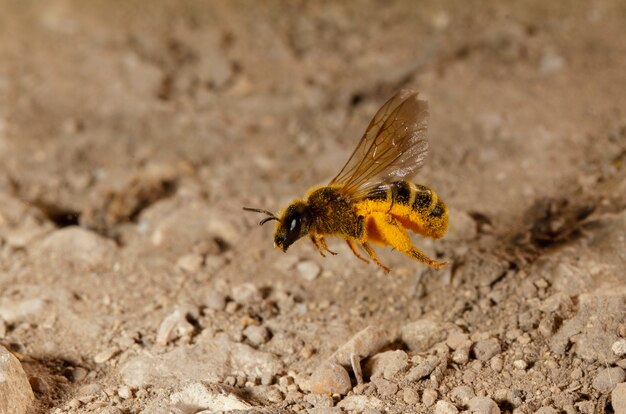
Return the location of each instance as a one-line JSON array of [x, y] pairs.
[[132, 133]]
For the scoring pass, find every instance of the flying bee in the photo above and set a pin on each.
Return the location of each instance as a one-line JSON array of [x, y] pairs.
[[371, 199]]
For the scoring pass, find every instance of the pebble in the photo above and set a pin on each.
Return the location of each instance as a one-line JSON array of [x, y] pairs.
[[429, 396], [520, 364], [330, 378], [618, 398], [39, 385], [385, 387], [420, 335], [14, 383], [78, 374], [309, 270], [78, 247], [462, 394], [105, 355], [215, 300], [461, 355], [175, 325], [618, 347], [190, 263], [608, 378], [387, 364], [246, 294], [445, 407], [423, 369], [125, 392], [457, 340], [546, 410], [410, 396], [496, 363], [257, 335], [212, 400], [359, 403], [364, 344], [486, 349], [483, 405], [89, 389]]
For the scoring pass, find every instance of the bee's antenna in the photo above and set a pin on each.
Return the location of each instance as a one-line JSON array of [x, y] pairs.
[[270, 217]]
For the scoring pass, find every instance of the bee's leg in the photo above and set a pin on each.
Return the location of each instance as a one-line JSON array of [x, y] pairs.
[[372, 254], [322, 241], [355, 250], [315, 241], [396, 236]]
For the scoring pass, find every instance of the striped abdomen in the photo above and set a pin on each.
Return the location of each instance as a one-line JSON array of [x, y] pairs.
[[416, 206]]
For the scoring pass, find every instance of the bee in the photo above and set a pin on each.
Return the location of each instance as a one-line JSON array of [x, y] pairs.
[[371, 200]]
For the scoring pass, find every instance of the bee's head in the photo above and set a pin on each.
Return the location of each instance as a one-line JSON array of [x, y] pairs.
[[294, 223]]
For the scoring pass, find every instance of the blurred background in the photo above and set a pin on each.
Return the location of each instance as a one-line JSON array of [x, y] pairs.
[[132, 133]]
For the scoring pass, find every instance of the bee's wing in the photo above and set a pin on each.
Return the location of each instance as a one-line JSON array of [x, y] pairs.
[[393, 147]]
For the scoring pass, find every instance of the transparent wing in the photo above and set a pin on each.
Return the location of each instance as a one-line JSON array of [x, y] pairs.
[[393, 147]]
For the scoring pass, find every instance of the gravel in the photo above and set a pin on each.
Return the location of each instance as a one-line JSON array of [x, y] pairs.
[[16, 395], [618, 398], [423, 369], [422, 334], [387, 364], [445, 407], [308, 270], [608, 378], [486, 349], [330, 378], [483, 405], [364, 344]]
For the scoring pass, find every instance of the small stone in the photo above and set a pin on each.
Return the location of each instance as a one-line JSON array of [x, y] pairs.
[[89, 389], [39, 385], [190, 263], [78, 374], [608, 378], [423, 369], [309, 270], [257, 335], [387, 364], [520, 364], [462, 394], [364, 344], [618, 398], [359, 403], [246, 294], [618, 347], [486, 349], [319, 400], [421, 334], [444, 407], [385, 387], [330, 378], [175, 325], [3, 328], [125, 392], [410, 396], [496, 364], [461, 355], [105, 355], [429, 396], [215, 300], [209, 398], [546, 410], [74, 404], [457, 340], [483, 405]]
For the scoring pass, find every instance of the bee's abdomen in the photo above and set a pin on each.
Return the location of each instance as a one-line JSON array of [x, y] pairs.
[[418, 197]]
